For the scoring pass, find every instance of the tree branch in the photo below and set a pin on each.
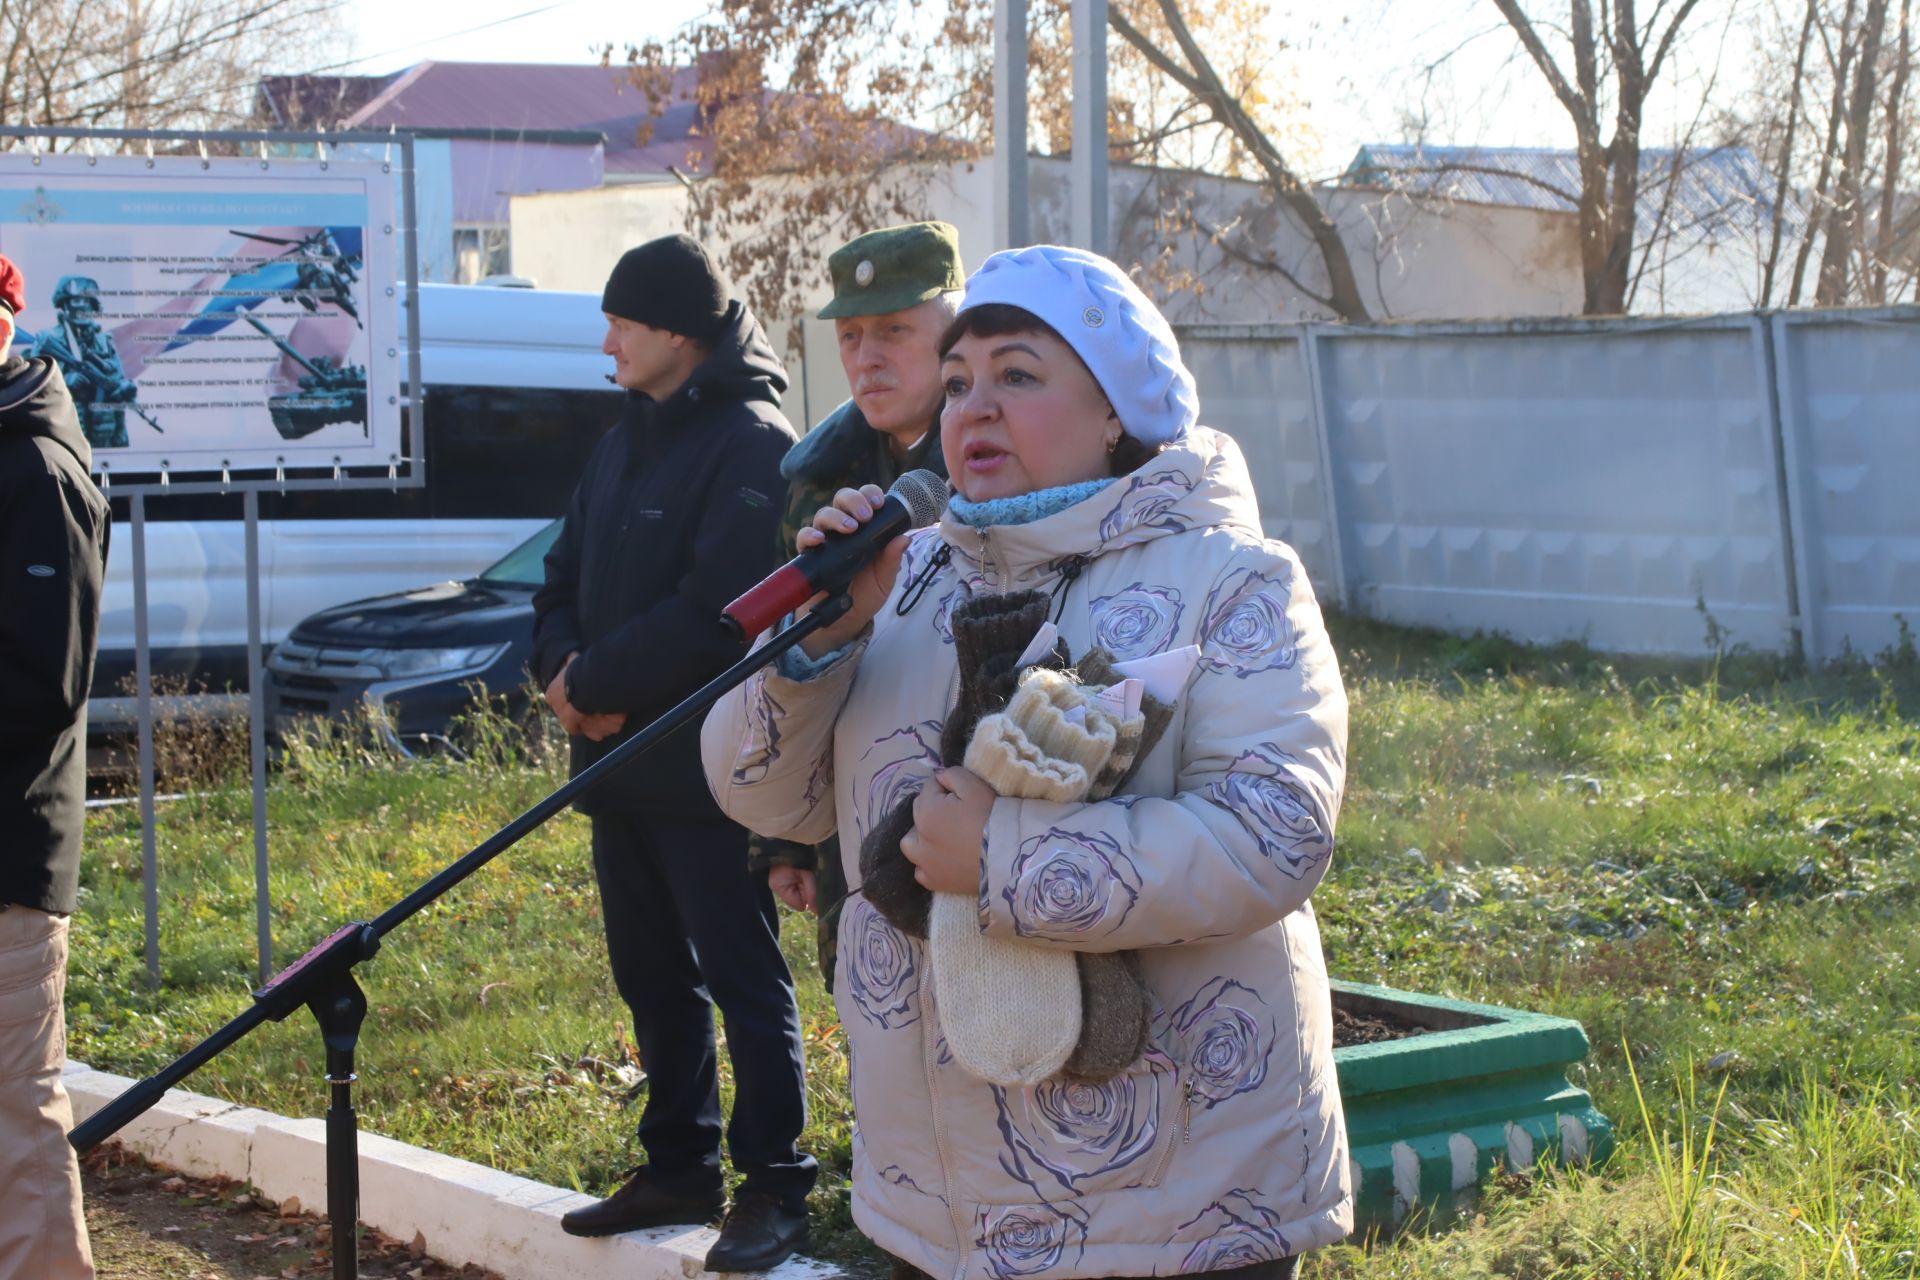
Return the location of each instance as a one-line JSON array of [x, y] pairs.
[[1217, 236], [1493, 171], [1666, 41]]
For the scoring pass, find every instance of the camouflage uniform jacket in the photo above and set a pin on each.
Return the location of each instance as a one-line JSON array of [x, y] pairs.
[[842, 452]]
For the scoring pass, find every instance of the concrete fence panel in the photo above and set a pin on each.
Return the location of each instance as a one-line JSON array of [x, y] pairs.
[[1652, 486], [1849, 403], [1254, 386]]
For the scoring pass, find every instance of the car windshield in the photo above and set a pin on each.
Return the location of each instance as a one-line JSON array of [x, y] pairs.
[[525, 565]]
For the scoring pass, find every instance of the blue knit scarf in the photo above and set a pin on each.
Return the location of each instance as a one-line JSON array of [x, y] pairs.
[[1022, 508]]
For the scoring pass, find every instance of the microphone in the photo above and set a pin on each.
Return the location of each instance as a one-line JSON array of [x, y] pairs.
[[915, 501]]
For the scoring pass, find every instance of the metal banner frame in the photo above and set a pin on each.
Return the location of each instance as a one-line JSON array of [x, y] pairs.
[[406, 470]]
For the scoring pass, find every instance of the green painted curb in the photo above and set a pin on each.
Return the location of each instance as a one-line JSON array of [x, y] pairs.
[[1430, 1117]]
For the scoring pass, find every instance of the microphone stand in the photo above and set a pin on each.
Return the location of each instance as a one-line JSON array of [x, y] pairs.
[[323, 980]]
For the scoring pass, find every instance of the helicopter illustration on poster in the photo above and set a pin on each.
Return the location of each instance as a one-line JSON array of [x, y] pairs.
[[325, 273]]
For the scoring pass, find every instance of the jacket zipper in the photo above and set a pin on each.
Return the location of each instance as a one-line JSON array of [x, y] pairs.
[[986, 560], [940, 1143], [1186, 1132]]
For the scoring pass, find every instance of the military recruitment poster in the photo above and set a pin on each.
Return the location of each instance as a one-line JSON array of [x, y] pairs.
[[214, 315]]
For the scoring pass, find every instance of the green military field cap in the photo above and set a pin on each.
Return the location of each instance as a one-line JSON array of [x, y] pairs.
[[894, 268]]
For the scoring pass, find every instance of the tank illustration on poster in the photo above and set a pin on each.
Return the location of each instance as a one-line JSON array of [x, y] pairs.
[[219, 315], [329, 392]]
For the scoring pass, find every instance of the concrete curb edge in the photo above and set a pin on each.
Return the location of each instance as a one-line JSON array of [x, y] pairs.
[[467, 1212]]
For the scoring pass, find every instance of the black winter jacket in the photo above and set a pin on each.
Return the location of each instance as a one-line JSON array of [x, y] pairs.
[[675, 516], [53, 559]]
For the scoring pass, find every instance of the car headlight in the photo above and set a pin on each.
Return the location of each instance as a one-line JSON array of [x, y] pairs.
[[400, 663]]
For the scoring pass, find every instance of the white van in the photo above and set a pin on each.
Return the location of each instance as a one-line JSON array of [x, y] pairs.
[[516, 395]]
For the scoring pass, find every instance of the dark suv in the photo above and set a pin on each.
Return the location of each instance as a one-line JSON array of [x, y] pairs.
[[416, 656]]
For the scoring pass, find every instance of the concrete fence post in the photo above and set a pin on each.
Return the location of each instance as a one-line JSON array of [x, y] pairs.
[[1345, 590], [1793, 478]]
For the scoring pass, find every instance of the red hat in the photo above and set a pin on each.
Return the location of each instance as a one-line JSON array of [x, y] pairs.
[[13, 286]]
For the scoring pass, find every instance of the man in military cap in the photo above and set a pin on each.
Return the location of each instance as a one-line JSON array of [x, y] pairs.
[[894, 293]]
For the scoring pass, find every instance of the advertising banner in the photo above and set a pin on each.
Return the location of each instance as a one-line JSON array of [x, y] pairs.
[[214, 315]]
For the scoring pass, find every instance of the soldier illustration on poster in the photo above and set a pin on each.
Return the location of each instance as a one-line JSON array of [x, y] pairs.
[[89, 359]]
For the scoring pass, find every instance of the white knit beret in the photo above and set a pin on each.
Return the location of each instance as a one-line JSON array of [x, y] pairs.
[[1113, 327]]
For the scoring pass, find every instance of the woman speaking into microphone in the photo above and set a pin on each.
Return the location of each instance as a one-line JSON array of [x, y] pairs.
[[1083, 743]]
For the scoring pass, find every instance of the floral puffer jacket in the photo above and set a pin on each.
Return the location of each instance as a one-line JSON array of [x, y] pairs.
[[1224, 1144]]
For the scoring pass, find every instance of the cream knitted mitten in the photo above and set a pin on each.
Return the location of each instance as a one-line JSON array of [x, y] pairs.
[[1049, 744], [1012, 1010]]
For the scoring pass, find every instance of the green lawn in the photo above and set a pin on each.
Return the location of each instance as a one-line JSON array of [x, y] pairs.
[[1712, 865]]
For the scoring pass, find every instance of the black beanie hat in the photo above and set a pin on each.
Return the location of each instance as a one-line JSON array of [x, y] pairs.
[[670, 284]]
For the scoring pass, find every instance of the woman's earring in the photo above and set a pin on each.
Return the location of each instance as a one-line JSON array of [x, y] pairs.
[[1113, 442]]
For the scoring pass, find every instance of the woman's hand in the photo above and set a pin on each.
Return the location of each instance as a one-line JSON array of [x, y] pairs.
[[870, 587], [949, 832]]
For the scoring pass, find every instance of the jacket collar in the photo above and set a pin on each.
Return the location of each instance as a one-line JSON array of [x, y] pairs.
[[1198, 482], [741, 366], [842, 444]]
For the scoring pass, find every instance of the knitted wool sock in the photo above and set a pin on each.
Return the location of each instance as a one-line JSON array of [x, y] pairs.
[[1115, 1017], [1047, 745], [1010, 1009], [886, 877], [1156, 716], [989, 634], [1013, 1011], [1005, 760]]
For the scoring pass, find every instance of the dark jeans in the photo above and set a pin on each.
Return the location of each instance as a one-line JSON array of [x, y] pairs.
[[688, 927]]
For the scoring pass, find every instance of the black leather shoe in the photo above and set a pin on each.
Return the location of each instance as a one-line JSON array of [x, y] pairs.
[[642, 1203], [759, 1234]]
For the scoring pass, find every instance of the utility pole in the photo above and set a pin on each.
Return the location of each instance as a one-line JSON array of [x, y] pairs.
[[1088, 170], [1010, 202]]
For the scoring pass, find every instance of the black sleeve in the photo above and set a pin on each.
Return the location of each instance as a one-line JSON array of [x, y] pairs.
[[665, 652], [52, 544], [556, 617], [764, 853]]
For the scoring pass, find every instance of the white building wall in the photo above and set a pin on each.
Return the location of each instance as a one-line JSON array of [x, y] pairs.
[[569, 240]]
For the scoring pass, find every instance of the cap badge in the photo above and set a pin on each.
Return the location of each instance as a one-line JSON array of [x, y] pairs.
[[1093, 317], [863, 274]]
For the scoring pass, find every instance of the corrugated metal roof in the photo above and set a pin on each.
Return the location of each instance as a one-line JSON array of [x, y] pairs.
[[505, 96], [513, 95], [1724, 188]]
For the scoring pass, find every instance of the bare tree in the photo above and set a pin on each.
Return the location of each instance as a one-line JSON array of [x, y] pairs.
[[1616, 61], [1851, 99], [1781, 189], [150, 63], [1844, 220], [830, 116], [1165, 39], [1886, 243], [822, 154]]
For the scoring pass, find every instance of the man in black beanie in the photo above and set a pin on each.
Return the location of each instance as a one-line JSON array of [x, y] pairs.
[[675, 516]]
